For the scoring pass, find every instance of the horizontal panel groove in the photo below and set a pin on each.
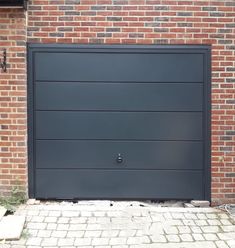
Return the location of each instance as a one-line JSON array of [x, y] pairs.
[[134, 140], [116, 169], [116, 82], [120, 52], [119, 111]]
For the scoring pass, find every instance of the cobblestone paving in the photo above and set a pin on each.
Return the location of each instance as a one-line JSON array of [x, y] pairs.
[[123, 226]]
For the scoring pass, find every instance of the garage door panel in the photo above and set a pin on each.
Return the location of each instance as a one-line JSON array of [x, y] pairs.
[[119, 96], [135, 67], [119, 125], [101, 184], [62, 154], [91, 103]]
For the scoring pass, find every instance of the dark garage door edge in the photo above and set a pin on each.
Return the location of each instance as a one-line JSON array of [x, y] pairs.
[[204, 49]]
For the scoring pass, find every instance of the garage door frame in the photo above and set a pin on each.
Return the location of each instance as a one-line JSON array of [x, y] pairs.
[[202, 49]]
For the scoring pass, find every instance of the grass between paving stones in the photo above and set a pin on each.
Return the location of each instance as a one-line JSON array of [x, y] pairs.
[[25, 234], [11, 202]]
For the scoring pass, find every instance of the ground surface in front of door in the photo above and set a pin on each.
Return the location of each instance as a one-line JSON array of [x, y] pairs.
[[98, 224]]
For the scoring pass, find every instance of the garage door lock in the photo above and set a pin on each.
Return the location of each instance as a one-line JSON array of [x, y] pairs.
[[119, 158]]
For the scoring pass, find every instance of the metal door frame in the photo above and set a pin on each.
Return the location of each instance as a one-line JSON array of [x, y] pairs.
[[199, 49]]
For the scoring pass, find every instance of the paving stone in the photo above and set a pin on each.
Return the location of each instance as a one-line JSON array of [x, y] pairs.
[[32, 233], [225, 222], [196, 229], [70, 214], [78, 220], [170, 230], [33, 212], [73, 227], [188, 205], [223, 216], [190, 216], [189, 222], [201, 222], [5, 246], [54, 213], [20, 246], [210, 229], [210, 236], [138, 240], [157, 217], [110, 233], [37, 219], [34, 241], [63, 220], [75, 234], [43, 213], [158, 238], [51, 226], [198, 237], [58, 234], [18, 242], [231, 243], [228, 228], [186, 237], [201, 204], [173, 238], [68, 225], [49, 242], [92, 227], [221, 244], [116, 246], [201, 216], [226, 236], [44, 233], [100, 241], [168, 216], [86, 214], [118, 241], [11, 227], [39, 226], [31, 201], [64, 227], [99, 214], [82, 241], [50, 219], [173, 223], [214, 222], [127, 233], [211, 216], [66, 242], [92, 234], [156, 228], [184, 229], [178, 215]]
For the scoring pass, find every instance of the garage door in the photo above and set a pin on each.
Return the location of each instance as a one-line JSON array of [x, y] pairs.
[[119, 122]]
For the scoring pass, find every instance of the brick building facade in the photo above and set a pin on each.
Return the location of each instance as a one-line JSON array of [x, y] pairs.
[[119, 22]]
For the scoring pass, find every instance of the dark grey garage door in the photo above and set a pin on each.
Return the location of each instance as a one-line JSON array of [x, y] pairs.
[[119, 122]]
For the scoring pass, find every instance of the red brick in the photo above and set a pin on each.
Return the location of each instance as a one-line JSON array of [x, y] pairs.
[[137, 17]]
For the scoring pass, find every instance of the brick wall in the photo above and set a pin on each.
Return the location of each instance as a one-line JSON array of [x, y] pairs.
[[148, 22], [13, 111]]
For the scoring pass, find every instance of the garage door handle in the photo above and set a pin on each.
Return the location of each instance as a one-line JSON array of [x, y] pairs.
[[119, 158]]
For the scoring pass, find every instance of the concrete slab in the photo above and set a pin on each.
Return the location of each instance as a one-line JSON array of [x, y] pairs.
[[2, 212], [201, 204], [11, 227]]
